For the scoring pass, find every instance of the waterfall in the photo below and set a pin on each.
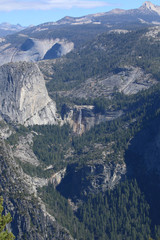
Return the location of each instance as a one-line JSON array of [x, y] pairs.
[[80, 120]]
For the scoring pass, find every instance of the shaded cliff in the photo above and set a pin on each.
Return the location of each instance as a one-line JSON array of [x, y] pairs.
[[143, 163], [79, 182]]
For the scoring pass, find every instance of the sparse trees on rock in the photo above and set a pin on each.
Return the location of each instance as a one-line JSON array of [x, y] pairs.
[[4, 219]]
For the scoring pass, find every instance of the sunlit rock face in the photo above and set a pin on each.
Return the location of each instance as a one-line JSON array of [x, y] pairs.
[[33, 50], [23, 96]]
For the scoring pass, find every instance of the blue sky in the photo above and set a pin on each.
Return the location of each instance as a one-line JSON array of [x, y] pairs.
[[28, 12]]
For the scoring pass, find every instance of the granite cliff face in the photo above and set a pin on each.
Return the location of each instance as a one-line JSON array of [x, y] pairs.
[[30, 218], [23, 95], [32, 49], [83, 117]]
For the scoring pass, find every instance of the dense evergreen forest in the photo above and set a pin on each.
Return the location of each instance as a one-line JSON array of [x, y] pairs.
[[122, 213]]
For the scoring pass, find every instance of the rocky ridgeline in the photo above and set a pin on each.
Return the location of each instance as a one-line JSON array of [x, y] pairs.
[[23, 96]]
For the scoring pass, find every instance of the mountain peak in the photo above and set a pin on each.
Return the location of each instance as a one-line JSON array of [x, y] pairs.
[[150, 6]]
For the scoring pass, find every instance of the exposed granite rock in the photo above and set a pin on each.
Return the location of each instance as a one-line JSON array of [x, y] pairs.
[[81, 118], [23, 95], [153, 33], [5, 130], [128, 80], [32, 49], [90, 179], [23, 150], [57, 177], [59, 49], [30, 218]]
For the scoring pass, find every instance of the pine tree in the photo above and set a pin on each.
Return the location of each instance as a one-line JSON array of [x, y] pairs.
[[4, 219]]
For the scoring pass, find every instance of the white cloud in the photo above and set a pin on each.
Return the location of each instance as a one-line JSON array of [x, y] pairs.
[[9, 5]]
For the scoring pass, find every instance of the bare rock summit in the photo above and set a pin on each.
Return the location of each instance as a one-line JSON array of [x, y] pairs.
[[151, 7]]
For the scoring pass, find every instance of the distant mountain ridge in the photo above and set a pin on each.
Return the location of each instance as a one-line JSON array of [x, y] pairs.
[[97, 18], [7, 28], [54, 39], [147, 8]]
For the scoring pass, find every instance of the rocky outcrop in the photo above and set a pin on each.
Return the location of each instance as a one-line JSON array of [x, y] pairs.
[[83, 117], [59, 49], [78, 182], [30, 218], [23, 96], [32, 49], [57, 177], [129, 80], [23, 150], [5, 130]]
